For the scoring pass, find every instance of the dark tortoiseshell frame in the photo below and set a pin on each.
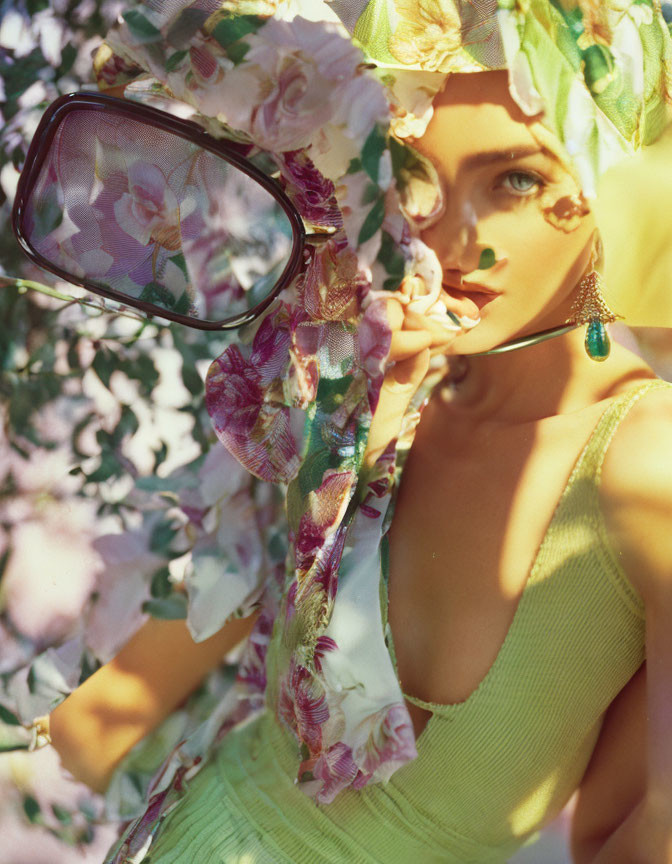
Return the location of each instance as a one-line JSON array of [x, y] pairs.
[[228, 150]]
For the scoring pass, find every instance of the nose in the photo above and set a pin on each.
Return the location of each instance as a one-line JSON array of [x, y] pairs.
[[454, 237]]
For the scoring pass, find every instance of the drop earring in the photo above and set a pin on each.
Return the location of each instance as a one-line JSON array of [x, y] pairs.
[[590, 308]]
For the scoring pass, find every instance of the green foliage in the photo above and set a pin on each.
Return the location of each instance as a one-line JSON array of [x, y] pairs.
[[8, 718], [391, 257], [169, 608], [373, 221], [487, 259], [373, 149], [32, 809], [231, 29], [141, 27]]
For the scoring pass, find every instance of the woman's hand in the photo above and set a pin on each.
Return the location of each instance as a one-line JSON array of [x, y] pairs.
[[415, 339]]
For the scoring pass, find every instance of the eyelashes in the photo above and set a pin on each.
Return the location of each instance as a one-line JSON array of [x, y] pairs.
[[521, 184], [515, 184]]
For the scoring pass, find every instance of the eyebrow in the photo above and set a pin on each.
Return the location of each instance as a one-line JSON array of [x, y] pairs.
[[489, 157], [509, 154]]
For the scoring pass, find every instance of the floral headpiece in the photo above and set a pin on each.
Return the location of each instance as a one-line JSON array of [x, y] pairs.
[[294, 398], [600, 71]]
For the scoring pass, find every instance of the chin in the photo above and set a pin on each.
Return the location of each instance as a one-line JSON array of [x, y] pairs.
[[476, 340], [487, 335]]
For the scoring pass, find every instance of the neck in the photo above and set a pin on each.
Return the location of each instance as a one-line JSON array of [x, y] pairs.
[[551, 377]]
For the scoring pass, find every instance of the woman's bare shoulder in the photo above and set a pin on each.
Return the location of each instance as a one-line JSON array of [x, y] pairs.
[[636, 489]]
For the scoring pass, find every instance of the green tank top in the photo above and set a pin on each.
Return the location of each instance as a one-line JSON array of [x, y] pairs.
[[491, 770]]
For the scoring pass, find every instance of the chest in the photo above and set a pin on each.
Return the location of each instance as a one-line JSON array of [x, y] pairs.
[[471, 512]]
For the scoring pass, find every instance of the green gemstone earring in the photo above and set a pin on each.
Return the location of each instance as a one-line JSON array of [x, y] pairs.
[[590, 308]]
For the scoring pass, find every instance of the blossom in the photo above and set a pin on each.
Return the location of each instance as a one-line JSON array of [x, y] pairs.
[[256, 428], [390, 743], [325, 508], [150, 209], [298, 75], [236, 385], [429, 33], [374, 337], [323, 644], [252, 665], [332, 282], [311, 192], [303, 706], [336, 769]]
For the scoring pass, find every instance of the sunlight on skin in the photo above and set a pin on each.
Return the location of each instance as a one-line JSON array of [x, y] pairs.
[[489, 209], [525, 200]]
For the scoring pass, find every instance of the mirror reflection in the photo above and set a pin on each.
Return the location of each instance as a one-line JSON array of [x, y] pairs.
[[155, 217]]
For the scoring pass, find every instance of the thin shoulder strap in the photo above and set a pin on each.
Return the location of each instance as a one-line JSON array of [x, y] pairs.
[[595, 450]]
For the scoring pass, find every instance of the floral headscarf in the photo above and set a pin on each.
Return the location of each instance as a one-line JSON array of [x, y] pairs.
[[599, 70], [293, 400]]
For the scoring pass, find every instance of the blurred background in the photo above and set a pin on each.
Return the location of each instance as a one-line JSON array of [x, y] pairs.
[[101, 412]]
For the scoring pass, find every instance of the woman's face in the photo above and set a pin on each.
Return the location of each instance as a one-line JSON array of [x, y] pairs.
[[503, 193]]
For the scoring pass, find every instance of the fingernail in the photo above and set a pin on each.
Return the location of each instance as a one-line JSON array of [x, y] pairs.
[[469, 323]]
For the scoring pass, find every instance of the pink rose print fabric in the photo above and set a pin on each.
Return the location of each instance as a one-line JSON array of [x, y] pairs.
[[292, 399]]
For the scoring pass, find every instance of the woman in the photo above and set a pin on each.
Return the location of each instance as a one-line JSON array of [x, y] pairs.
[[527, 552]]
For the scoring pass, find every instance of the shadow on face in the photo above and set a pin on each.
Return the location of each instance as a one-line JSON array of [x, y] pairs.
[[508, 222]]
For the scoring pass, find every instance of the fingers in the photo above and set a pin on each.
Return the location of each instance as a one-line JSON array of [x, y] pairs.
[[407, 343], [399, 386], [412, 332], [406, 376], [414, 321], [395, 314]]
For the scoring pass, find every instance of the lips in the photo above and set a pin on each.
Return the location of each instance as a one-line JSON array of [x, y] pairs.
[[470, 299]]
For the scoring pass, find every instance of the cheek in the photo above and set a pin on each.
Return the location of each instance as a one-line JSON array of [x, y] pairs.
[[564, 211], [544, 233]]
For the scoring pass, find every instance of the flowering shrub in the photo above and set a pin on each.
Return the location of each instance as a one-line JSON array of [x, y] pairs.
[[98, 410]]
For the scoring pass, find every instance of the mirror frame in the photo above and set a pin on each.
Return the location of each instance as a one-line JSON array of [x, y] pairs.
[[230, 151]]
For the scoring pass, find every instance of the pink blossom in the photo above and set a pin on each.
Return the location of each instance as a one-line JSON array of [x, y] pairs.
[[270, 347], [326, 506], [304, 370], [114, 69], [391, 742], [150, 209], [336, 769], [333, 284], [233, 393], [323, 644], [52, 559], [324, 567], [242, 399], [122, 586], [299, 75], [311, 192], [303, 706], [207, 60], [252, 666], [375, 337]]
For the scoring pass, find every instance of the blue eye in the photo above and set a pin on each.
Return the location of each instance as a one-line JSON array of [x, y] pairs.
[[521, 182]]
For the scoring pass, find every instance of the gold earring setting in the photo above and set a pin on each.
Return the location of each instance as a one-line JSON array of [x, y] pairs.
[[590, 308]]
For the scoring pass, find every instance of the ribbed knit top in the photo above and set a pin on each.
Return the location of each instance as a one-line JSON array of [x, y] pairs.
[[491, 770]]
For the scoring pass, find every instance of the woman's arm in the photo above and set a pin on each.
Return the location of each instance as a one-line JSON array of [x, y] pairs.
[[641, 839], [636, 501], [96, 726], [614, 782]]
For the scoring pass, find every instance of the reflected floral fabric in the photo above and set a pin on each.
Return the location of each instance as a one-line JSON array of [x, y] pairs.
[[156, 217]]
